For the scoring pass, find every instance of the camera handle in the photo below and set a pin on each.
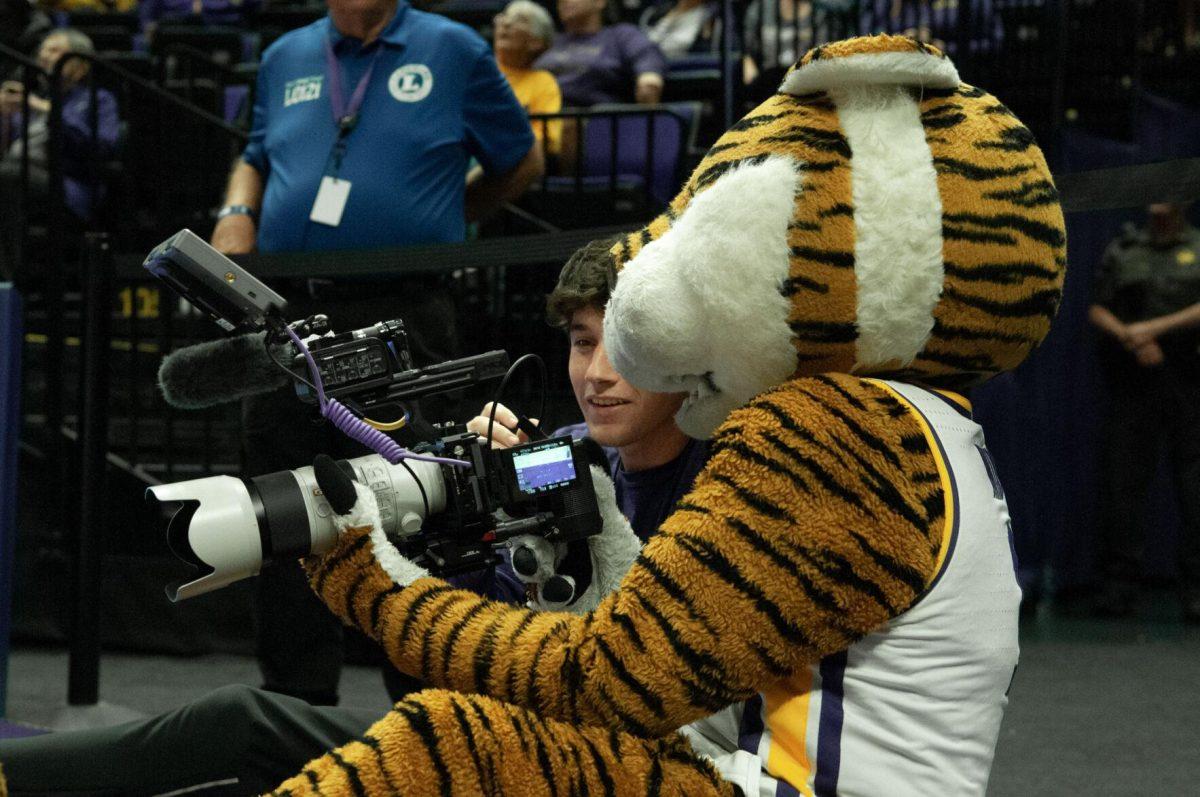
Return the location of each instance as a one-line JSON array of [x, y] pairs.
[[356, 428]]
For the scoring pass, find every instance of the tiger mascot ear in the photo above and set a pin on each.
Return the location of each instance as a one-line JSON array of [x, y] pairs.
[[875, 217]]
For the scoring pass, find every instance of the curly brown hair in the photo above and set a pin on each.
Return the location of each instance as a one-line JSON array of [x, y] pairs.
[[586, 280]]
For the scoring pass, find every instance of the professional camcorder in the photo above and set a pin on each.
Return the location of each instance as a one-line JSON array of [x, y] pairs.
[[448, 504]]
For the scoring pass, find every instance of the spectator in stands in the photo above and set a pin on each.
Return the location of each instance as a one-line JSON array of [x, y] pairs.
[[1189, 13], [523, 31], [201, 12], [22, 24], [684, 27], [320, 174], [778, 32], [936, 22], [596, 63], [1147, 305], [93, 6], [84, 146]]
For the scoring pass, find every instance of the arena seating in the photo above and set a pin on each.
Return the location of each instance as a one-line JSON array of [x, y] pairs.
[[185, 102]]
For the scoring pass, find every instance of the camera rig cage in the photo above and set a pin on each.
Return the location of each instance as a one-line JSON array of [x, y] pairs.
[[472, 498]]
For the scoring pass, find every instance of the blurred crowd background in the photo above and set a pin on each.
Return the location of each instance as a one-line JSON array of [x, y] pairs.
[[119, 121]]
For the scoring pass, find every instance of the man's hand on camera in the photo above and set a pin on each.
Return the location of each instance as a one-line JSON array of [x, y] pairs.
[[234, 235], [505, 433]]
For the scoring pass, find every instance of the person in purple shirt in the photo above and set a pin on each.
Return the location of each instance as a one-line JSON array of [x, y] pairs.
[[207, 12], [83, 146], [653, 463], [596, 63]]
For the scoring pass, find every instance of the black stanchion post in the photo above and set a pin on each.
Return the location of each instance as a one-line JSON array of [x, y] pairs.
[[11, 340], [83, 680], [731, 72], [55, 287], [1058, 91]]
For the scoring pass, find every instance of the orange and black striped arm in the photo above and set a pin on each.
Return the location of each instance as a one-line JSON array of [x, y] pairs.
[[819, 517], [439, 743]]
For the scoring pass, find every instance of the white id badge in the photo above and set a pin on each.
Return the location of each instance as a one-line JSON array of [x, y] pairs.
[[331, 201]]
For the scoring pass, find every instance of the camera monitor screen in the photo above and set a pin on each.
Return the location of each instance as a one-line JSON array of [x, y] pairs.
[[544, 466]]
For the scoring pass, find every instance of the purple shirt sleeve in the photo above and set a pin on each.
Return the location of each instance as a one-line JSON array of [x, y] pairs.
[[641, 54], [77, 124], [601, 67]]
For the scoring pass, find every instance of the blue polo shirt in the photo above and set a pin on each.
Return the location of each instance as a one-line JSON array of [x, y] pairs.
[[436, 99]]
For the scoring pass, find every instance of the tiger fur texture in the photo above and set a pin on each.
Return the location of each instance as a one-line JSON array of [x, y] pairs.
[[874, 232]]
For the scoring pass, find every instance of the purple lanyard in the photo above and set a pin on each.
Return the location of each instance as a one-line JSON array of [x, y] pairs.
[[346, 115]]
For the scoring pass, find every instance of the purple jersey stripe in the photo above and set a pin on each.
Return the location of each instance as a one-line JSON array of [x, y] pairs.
[[751, 728], [784, 789], [829, 731]]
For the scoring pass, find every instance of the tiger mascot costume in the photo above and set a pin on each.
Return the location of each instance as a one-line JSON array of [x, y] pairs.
[[832, 609]]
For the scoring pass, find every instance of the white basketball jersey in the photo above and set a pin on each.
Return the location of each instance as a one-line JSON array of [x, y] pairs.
[[913, 708]]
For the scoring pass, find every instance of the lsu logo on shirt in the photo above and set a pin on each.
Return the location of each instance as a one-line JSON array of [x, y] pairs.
[[304, 89], [411, 83]]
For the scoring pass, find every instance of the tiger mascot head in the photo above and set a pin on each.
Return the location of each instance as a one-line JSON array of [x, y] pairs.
[[876, 216]]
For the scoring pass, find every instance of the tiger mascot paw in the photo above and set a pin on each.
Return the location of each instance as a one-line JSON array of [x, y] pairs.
[[575, 576], [360, 537]]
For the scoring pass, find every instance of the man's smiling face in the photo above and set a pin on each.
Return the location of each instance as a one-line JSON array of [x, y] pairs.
[[617, 413]]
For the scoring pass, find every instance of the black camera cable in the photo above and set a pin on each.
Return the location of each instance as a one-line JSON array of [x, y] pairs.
[[420, 487], [523, 422]]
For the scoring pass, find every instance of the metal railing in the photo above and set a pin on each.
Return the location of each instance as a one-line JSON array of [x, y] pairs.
[[207, 83], [613, 164], [138, 189], [1054, 62]]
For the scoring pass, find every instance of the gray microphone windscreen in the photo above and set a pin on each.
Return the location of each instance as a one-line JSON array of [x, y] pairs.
[[220, 371]]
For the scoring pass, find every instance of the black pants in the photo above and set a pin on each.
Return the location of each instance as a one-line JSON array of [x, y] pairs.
[[299, 642], [1152, 409], [237, 740]]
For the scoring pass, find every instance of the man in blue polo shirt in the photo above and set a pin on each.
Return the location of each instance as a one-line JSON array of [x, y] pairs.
[[364, 124], [385, 105]]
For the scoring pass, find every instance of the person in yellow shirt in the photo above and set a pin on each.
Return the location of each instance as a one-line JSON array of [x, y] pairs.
[[522, 32], [99, 6]]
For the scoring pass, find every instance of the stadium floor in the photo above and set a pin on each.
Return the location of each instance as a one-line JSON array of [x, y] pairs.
[[1097, 707]]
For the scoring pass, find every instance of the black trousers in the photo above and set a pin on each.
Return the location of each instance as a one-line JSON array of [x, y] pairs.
[[1153, 410], [235, 741], [299, 642]]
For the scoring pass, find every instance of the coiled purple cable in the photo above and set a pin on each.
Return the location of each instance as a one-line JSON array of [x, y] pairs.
[[356, 428]]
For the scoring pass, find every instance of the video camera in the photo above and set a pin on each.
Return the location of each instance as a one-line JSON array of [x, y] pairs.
[[448, 504]]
